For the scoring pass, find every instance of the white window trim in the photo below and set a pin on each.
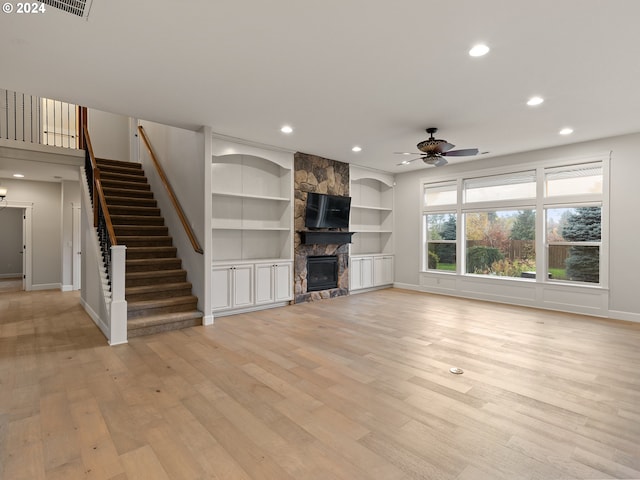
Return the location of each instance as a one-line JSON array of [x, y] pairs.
[[539, 204]]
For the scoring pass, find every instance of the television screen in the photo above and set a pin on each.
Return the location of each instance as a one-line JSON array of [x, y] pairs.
[[327, 211]]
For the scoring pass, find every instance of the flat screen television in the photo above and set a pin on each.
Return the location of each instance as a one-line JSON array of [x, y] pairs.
[[327, 211]]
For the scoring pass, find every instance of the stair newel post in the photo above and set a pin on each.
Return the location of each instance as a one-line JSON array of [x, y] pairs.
[[118, 303]]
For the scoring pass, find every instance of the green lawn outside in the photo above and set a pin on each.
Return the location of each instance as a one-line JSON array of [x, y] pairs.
[[558, 273], [450, 267]]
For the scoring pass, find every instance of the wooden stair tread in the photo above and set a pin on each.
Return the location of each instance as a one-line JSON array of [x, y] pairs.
[[137, 220], [155, 273], [151, 252], [162, 323], [140, 230], [156, 288], [140, 211], [122, 163], [147, 261], [127, 192], [112, 183], [130, 201], [122, 177], [160, 302]]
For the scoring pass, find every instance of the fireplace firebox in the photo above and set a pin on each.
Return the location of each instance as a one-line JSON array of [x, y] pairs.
[[322, 272]]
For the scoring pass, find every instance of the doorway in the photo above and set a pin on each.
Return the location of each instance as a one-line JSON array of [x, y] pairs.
[[15, 246]]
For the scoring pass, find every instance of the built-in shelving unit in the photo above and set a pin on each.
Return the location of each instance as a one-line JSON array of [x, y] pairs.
[[371, 212], [251, 209], [251, 227], [372, 221]]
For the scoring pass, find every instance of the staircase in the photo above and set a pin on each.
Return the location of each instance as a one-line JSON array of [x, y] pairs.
[[156, 290]]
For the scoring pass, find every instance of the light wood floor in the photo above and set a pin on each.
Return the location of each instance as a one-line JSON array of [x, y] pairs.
[[349, 388]]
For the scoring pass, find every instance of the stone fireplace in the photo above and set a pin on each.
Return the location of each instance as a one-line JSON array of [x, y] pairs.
[[321, 175]]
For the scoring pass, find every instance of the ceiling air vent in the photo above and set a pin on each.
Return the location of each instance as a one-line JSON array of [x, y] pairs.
[[79, 8]]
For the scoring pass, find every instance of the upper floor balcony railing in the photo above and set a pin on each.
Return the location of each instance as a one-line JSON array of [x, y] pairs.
[[32, 119]]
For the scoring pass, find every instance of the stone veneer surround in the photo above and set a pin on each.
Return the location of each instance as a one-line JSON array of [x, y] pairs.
[[321, 175]]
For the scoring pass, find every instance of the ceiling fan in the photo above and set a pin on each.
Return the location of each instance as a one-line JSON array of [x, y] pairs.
[[434, 150]]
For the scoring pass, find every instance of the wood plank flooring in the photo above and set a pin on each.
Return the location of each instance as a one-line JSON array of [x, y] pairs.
[[349, 388]]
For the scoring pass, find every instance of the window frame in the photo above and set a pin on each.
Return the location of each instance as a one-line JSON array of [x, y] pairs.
[[540, 204]]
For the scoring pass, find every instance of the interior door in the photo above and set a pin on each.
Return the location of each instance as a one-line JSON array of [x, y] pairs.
[[24, 249], [76, 248]]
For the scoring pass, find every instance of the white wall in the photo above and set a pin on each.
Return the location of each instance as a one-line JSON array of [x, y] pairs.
[[110, 135], [181, 154], [47, 228], [10, 242], [624, 253]]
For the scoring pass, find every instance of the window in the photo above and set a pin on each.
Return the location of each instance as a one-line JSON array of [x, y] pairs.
[[501, 243], [441, 241], [573, 242], [544, 224], [511, 186], [574, 180], [437, 194]]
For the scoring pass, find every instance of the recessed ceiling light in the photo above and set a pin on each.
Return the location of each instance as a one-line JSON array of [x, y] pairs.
[[566, 131], [533, 101], [356, 149], [479, 50], [18, 175], [286, 129]]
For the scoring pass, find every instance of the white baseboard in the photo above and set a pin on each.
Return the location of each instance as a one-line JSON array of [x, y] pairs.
[[207, 320], [104, 328], [605, 313], [47, 286], [11, 275], [67, 288], [627, 316]]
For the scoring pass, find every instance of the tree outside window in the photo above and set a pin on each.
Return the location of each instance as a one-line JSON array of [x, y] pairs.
[[501, 243], [573, 237], [441, 241]]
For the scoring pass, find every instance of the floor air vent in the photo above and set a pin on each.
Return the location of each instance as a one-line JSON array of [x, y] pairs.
[[79, 8]]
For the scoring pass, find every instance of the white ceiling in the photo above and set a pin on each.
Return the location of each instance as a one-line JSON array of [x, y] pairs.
[[343, 73]]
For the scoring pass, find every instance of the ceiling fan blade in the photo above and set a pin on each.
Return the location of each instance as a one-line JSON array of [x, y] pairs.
[[405, 162], [408, 153], [440, 162], [444, 147], [461, 153]]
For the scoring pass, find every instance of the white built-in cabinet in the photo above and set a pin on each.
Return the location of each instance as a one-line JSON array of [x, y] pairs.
[[233, 286], [273, 282], [251, 227], [371, 218], [370, 271]]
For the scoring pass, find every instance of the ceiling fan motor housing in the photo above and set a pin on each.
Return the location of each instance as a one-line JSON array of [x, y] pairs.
[[431, 145]]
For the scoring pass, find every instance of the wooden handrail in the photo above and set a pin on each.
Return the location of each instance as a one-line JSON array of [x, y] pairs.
[[87, 142], [172, 195], [98, 190]]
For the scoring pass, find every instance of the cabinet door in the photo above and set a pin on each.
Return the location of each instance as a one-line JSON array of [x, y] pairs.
[[367, 272], [378, 271], [387, 270], [243, 286], [283, 273], [221, 288], [355, 274], [264, 283]]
